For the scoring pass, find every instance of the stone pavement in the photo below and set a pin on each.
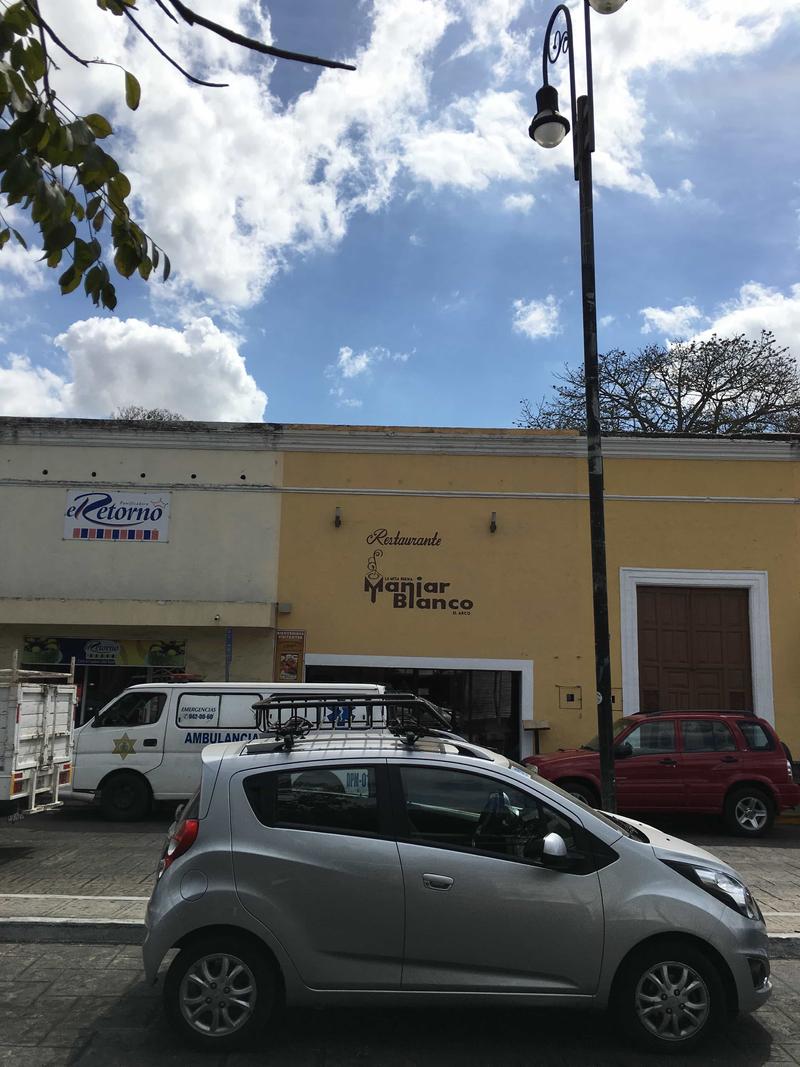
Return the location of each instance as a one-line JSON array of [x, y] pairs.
[[87, 1006]]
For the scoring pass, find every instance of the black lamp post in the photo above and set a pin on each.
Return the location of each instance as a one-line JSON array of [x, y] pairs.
[[548, 129]]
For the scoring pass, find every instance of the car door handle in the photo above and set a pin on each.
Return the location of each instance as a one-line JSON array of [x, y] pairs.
[[668, 762], [436, 881], [150, 742], [729, 759]]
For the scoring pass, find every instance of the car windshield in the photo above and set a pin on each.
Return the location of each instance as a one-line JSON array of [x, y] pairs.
[[610, 820], [594, 744]]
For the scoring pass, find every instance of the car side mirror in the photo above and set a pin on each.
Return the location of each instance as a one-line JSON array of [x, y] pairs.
[[554, 850], [622, 751]]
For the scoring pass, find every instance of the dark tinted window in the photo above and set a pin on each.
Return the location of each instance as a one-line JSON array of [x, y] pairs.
[[335, 799], [652, 738], [133, 709], [756, 736], [470, 811], [706, 735]]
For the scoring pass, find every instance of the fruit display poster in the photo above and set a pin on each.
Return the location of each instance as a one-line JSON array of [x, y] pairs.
[[99, 651], [290, 647]]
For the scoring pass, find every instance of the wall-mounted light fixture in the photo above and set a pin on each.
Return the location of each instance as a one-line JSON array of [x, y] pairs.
[[337, 518], [493, 523]]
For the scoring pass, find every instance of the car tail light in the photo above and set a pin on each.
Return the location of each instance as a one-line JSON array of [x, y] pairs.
[[65, 774], [179, 842], [790, 770], [17, 783]]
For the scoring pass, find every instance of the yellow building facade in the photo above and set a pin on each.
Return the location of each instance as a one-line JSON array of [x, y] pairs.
[[452, 562]]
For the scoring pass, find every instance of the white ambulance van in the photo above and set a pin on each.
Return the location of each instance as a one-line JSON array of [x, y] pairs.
[[145, 744]]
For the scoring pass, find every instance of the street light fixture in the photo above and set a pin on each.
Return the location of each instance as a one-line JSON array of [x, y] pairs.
[[548, 129]]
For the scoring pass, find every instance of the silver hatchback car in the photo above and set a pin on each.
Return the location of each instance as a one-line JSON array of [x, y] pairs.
[[369, 868]]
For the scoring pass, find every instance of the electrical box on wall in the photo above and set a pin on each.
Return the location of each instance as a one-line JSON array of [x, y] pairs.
[[569, 697]]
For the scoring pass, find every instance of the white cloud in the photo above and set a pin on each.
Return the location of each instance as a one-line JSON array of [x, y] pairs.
[[350, 365], [606, 320], [538, 318], [197, 371], [521, 202], [674, 322], [20, 271], [759, 307]]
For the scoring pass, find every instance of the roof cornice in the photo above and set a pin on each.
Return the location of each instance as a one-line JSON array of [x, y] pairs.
[[277, 437]]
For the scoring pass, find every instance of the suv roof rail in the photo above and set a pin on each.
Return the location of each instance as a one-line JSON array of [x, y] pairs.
[[698, 711], [289, 718]]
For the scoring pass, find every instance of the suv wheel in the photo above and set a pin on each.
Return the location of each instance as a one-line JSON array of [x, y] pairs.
[[581, 791], [220, 991], [669, 997], [749, 811], [125, 797]]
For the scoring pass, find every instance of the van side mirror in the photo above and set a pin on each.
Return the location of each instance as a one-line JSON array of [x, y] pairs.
[[554, 850], [622, 751]]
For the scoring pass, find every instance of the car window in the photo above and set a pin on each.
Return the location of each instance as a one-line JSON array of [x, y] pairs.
[[332, 799], [652, 738], [133, 709], [756, 736], [706, 735], [197, 709], [236, 709], [470, 811]]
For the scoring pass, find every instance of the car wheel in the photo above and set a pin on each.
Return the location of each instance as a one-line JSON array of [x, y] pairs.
[[669, 997], [749, 811], [220, 991], [581, 791], [125, 797]]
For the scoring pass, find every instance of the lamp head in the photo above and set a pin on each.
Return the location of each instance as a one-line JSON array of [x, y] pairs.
[[549, 127], [606, 7]]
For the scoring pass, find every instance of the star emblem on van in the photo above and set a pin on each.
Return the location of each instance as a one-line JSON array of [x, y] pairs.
[[124, 746]]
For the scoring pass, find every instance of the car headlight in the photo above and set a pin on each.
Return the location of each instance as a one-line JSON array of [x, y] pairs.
[[721, 885]]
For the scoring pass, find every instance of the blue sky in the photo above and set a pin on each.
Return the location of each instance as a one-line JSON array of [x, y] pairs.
[[389, 246]]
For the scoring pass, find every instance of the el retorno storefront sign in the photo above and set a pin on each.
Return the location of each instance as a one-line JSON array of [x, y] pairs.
[[394, 578]]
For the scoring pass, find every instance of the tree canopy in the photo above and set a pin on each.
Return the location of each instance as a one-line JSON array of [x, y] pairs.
[[51, 162], [722, 385], [137, 413]]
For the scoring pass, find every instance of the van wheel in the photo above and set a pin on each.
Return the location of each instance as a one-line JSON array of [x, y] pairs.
[[749, 811], [669, 997], [581, 791], [220, 992], [125, 797]]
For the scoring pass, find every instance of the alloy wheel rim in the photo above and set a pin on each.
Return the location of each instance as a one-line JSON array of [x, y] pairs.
[[672, 1001], [751, 813], [217, 994]]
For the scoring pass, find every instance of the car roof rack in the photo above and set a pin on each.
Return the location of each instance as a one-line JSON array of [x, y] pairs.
[[289, 718], [698, 711]]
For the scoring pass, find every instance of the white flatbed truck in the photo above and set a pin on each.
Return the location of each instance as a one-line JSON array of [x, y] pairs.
[[37, 711]]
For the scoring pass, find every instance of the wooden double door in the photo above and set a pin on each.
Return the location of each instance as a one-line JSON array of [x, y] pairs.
[[694, 649]]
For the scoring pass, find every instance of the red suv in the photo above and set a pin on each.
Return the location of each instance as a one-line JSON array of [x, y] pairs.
[[728, 763]]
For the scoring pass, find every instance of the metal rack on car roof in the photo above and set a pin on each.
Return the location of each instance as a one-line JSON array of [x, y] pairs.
[[289, 718]]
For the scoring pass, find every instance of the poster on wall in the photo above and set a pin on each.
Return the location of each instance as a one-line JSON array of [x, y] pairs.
[[290, 647], [97, 515], [102, 652]]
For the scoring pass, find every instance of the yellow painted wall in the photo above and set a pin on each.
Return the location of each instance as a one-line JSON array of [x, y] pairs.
[[530, 581]]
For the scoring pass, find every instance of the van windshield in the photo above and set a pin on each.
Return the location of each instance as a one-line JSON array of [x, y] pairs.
[[132, 709]]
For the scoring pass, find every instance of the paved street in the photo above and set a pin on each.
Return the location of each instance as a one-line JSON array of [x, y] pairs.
[[87, 1006]]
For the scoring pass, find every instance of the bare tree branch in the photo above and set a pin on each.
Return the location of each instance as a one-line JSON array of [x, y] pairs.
[[169, 59], [248, 42]]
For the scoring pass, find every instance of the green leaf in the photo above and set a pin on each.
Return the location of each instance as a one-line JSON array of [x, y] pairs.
[[145, 267], [5, 236], [98, 221], [167, 267], [81, 133], [126, 260], [70, 279], [99, 126], [20, 239], [92, 206], [18, 17], [54, 258], [155, 257], [109, 296], [58, 237], [133, 91], [33, 61]]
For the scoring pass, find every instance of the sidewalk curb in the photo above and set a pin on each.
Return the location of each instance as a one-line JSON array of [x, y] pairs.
[[74, 931]]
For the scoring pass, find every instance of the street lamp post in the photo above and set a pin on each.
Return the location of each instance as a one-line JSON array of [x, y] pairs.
[[549, 129]]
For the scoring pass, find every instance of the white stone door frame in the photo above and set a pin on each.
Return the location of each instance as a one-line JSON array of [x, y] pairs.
[[523, 666], [757, 584]]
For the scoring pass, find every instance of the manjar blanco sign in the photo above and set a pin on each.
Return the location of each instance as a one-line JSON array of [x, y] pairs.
[[96, 515]]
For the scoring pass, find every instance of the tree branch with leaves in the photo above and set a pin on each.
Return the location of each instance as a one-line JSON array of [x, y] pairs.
[[51, 163], [722, 385]]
